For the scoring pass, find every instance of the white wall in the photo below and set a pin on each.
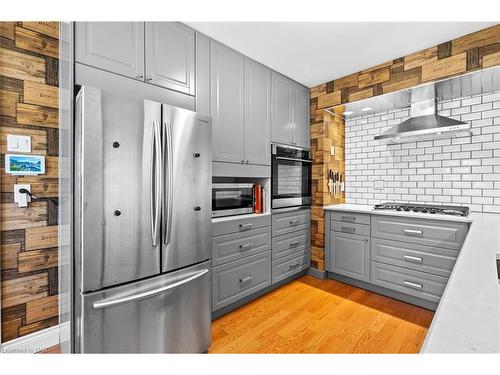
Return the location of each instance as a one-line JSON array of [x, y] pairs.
[[455, 171]]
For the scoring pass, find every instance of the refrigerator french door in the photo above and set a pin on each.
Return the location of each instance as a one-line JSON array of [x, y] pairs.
[[142, 219]]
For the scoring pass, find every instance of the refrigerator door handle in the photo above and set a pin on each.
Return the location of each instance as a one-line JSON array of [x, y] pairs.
[[156, 183], [169, 176], [149, 293]]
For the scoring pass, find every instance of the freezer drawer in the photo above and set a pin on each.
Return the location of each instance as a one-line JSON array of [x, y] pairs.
[[166, 314]]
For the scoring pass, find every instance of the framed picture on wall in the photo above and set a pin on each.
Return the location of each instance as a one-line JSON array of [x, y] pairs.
[[24, 164]]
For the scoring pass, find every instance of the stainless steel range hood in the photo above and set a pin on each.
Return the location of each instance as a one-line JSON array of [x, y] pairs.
[[424, 122]]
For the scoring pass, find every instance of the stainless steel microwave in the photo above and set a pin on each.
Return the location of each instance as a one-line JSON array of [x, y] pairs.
[[232, 199]]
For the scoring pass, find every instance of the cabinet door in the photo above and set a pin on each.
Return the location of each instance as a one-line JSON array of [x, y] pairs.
[[227, 97], [301, 135], [117, 47], [257, 113], [350, 255], [281, 110], [170, 56]]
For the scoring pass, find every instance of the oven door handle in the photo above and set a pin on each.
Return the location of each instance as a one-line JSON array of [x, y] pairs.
[[294, 159]]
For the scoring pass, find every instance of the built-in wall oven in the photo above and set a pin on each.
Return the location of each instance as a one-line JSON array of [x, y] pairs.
[[290, 176], [232, 199]]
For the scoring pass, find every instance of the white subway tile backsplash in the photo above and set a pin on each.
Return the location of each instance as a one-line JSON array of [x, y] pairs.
[[462, 170]]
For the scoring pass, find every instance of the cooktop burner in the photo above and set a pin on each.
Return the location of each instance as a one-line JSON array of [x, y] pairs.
[[424, 208]]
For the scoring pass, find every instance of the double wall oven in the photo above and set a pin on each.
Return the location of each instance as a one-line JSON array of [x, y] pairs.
[[291, 176]]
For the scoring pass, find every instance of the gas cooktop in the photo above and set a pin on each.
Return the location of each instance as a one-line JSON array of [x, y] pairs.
[[424, 208]]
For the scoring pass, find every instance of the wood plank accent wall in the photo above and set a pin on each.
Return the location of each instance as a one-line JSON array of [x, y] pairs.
[[29, 97], [467, 53]]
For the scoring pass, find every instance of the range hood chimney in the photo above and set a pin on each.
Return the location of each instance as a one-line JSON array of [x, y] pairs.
[[424, 122]]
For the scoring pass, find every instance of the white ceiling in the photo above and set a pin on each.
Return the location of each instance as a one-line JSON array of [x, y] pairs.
[[316, 52]]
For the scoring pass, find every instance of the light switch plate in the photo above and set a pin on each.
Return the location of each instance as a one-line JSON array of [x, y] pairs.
[[332, 150], [18, 143]]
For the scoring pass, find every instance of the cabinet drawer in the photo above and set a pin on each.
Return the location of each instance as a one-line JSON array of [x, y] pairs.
[[291, 221], [289, 243], [415, 283], [434, 260], [238, 279], [232, 225], [235, 246], [351, 217], [361, 229], [290, 265], [447, 234]]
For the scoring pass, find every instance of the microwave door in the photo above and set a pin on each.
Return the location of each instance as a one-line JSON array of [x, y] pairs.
[[115, 156], [187, 183]]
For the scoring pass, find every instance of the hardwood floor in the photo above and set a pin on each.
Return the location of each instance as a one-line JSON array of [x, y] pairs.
[[321, 316]]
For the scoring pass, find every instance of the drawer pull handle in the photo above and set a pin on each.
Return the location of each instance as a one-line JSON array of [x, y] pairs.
[[348, 229], [413, 259], [413, 232], [247, 226], [294, 222], [245, 247], [293, 244], [409, 284], [349, 219], [294, 265], [246, 279]]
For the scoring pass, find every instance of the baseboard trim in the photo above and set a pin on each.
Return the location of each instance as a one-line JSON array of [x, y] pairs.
[[314, 272], [34, 342]]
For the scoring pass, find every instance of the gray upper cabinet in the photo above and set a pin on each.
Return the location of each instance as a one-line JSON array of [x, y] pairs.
[[289, 112], [227, 75], [281, 109], [301, 132], [170, 56], [257, 113], [117, 47]]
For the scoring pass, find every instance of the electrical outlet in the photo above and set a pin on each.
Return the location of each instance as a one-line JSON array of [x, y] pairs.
[[379, 185], [21, 199]]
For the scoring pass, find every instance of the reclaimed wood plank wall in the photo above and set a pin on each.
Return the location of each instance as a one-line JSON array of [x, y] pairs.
[[471, 52], [29, 100]]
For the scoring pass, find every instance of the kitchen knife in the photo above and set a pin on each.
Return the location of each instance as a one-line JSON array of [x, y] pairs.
[[337, 181], [330, 182]]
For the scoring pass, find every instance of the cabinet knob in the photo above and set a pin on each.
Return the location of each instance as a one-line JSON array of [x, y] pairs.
[[149, 79], [197, 208], [116, 144], [117, 213], [196, 154]]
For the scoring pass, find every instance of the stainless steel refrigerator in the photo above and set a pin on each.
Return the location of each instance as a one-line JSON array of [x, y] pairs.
[[143, 226]]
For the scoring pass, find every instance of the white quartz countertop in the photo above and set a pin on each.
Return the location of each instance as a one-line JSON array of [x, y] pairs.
[[467, 319]]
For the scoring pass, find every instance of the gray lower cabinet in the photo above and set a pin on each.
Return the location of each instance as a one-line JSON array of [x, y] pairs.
[[439, 233], [290, 243], [413, 256], [116, 47], [227, 74], [291, 264], [350, 255], [170, 56], [240, 245], [290, 221], [240, 225], [236, 280], [418, 284], [436, 260]]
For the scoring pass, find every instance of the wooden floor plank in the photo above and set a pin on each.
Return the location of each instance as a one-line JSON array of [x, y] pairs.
[[321, 316]]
